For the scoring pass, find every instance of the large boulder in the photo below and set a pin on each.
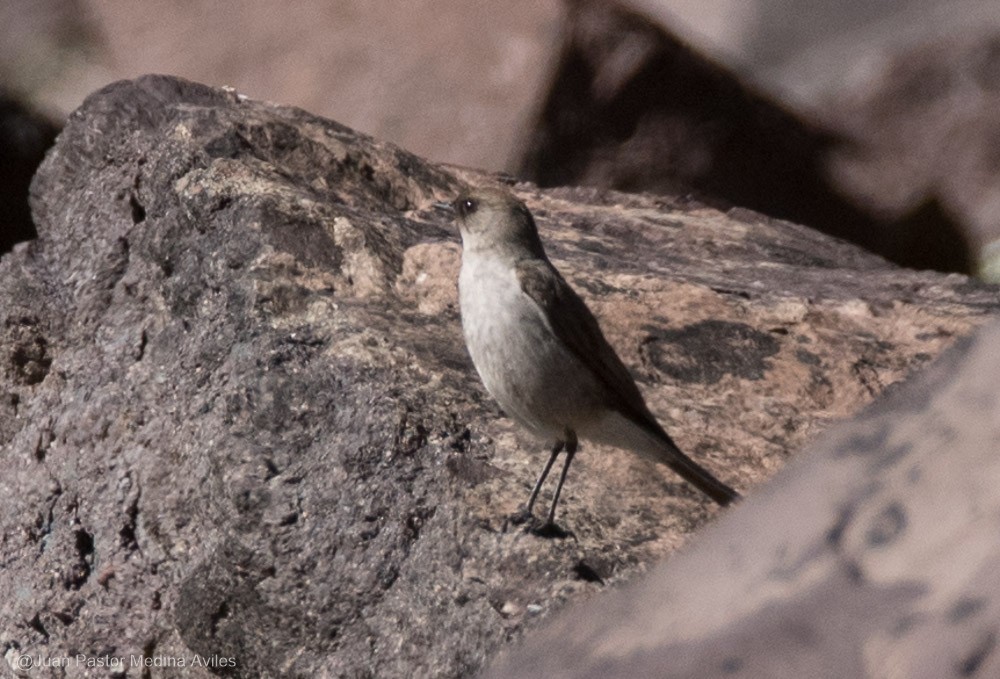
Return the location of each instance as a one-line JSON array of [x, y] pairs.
[[632, 107], [874, 555], [240, 432]]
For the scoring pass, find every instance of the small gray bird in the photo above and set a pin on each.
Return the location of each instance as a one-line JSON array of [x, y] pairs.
[[541, 353]]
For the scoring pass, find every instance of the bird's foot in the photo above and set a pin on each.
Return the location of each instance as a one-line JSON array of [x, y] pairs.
[[522, 517]]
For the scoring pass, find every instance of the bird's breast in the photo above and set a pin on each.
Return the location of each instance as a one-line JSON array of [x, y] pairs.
[[525, 368], [494, 316]]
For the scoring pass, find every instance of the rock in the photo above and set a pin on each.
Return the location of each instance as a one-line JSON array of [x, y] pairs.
[[922, 112], [239, 425], [633, 108], [872, 555], [876, 125], [450, 79], [804, 55]]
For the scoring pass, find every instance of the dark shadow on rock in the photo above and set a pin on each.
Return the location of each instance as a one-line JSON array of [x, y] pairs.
[[929, 238], [25, 136], [633, 108], [220, 614]]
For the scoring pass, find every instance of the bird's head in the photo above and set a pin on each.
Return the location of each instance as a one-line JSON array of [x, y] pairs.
[[495, 220]]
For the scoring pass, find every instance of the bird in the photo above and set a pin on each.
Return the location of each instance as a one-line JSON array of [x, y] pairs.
[[540, 351]]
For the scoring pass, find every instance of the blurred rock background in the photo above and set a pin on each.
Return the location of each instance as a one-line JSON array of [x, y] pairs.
[[876, 122]]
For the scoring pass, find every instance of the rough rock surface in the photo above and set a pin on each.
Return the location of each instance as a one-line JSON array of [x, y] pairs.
[[873, 555], [237, 418], [882, 132], [633, 108]]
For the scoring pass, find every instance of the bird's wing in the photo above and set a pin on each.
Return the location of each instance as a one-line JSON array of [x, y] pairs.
[[574, 325], [572, 322]]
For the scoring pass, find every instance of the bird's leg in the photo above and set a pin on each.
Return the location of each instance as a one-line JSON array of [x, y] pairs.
[[556, 449], [570, 452]]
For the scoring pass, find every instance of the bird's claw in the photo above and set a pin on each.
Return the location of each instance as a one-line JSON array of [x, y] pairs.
[[519, 518], [534, 525]]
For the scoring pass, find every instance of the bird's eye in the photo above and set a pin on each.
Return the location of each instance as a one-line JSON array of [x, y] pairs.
[[466, 206]]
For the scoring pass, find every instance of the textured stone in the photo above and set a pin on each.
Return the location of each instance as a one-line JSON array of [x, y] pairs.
[[633, 108], [872, 555], [237, 418]]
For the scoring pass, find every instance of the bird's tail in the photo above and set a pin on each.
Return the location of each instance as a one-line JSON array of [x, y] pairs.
[[699, 477], [667, 452], [645, 436]]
